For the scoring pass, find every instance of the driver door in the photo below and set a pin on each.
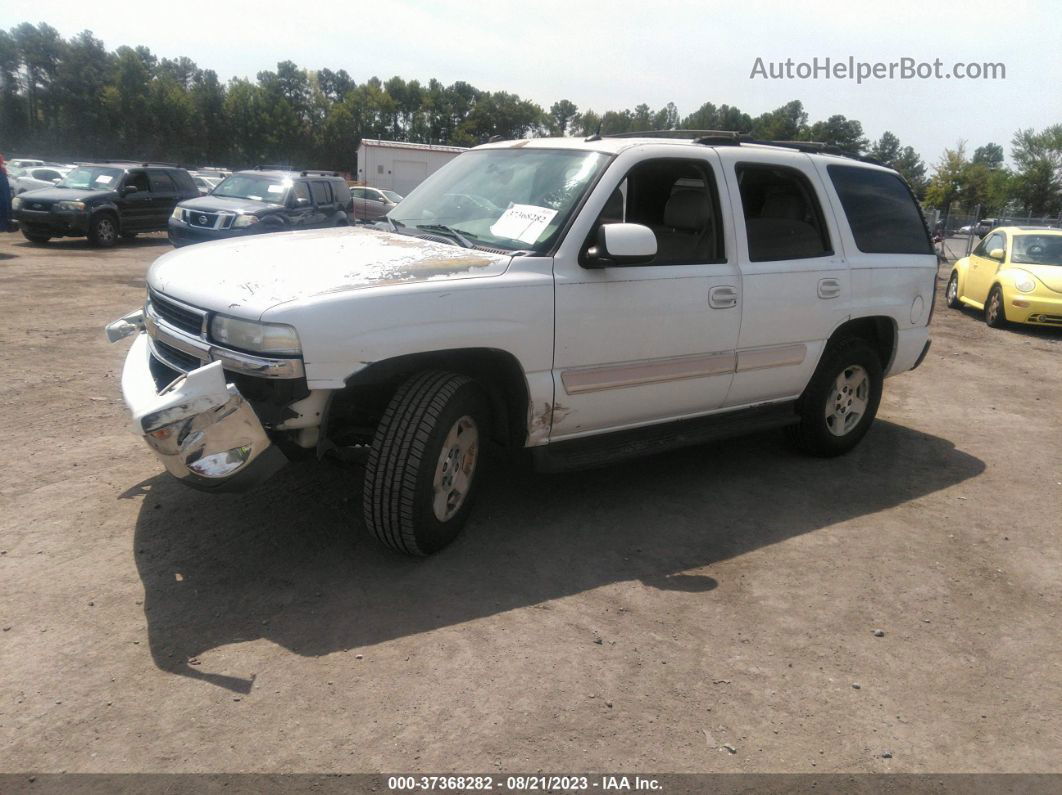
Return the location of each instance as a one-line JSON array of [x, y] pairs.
[[137, 206]]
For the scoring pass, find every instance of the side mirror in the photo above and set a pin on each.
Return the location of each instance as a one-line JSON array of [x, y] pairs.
[[622, 244], [129, 189], [996, 254]]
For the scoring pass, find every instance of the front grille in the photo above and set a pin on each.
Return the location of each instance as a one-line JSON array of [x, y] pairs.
[[176, 358], [178, 316], [200, 219]]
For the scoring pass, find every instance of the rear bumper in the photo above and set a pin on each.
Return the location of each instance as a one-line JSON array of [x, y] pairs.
[[201, 429], [912, 345]]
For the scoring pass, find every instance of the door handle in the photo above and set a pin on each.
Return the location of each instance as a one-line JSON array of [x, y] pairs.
[[722, 297], [829, 288]]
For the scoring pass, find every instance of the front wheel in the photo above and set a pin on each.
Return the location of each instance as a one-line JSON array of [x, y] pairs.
[[32, 238], [841, 401], [951, 294], [103, 231], [995, 314], [424, 463]]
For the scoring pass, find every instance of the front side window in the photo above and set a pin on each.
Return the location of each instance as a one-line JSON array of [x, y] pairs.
[[357, 193], [881, 211], [92, 178], [254, 187], [301, 191], [783, 218], [677, 199], [989, 243], [513, 199], [1037, 250]]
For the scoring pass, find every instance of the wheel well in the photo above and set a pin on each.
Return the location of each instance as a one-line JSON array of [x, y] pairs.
[[111, 212], [879, 331], [368, 391]]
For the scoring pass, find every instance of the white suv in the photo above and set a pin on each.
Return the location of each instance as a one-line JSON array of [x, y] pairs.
[[589, 300]]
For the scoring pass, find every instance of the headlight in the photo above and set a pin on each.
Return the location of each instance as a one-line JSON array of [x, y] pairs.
[[244, 220], [178, 213], [251, 336], [78, 206], [1025, 283], [16, 203]]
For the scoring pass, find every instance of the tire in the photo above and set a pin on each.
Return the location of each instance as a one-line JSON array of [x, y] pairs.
[[995, 309], [826, 408], [32, 238], [951, 293], [434, 426], [103, 230]]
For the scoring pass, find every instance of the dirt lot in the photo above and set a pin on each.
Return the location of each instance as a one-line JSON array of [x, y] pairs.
[[639, 617]]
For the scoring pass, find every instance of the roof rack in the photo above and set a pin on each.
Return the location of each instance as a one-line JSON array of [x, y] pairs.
[[271, 167], [736, 138], [318, 173]]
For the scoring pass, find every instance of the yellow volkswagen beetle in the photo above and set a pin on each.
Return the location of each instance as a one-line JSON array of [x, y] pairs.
[[1014, 275]]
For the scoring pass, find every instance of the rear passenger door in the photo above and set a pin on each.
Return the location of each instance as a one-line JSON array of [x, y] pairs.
[[325, 202], [164, 197], [795, 280]]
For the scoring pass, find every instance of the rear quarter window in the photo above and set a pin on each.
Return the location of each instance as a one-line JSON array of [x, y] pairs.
[[881, 211]]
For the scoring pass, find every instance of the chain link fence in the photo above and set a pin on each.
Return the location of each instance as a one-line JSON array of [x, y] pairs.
[[959, 229]]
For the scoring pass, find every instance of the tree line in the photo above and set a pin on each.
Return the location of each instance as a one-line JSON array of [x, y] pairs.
[[74, 99]]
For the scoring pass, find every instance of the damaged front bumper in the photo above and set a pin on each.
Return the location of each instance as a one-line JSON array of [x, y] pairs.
[[201, 428]]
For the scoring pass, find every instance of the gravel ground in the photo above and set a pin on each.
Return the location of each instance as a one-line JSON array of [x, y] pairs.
[[713, 609]]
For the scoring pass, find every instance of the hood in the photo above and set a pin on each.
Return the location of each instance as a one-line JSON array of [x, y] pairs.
[[248, 275], [1051, 275], [213, 204], [51, 195]]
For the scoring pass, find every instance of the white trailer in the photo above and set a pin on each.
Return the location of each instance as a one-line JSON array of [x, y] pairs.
[[400, 166]]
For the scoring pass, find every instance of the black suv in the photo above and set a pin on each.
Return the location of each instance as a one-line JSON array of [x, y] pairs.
[[263, 200], [102, 201]]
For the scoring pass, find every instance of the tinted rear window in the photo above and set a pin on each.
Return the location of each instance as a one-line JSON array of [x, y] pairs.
[[881, 211], [322, 192]]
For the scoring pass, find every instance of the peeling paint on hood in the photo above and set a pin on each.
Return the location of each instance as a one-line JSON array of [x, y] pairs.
[[249, 275]]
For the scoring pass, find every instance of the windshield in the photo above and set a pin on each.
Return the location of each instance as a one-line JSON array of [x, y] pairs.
[[390, 194], [1037, 250], [503, 198], [92, 178], [251, 186]]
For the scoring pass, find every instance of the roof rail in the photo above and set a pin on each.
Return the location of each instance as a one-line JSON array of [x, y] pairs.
[[319, 173], [735, 138], [272, 167]]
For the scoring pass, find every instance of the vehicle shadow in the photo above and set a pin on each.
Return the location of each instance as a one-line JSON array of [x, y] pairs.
[[1050, 333], [291, 561]]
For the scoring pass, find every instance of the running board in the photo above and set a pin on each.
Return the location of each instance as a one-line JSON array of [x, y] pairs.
[[607, 448]]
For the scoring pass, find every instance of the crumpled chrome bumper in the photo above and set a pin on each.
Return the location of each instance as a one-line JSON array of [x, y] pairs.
[[199, 426]]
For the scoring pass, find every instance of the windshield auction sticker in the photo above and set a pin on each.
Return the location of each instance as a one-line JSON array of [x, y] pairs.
[[524, 222]]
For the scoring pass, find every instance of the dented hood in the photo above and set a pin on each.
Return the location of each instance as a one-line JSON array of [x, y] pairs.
[[246, 276]]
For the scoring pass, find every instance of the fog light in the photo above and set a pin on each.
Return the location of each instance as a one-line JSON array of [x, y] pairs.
[[221, 465]]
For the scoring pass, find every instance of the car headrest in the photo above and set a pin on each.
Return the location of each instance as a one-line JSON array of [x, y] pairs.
[[687, 209]]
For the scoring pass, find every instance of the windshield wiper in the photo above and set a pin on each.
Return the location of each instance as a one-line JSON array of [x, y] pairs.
[[450, 231]]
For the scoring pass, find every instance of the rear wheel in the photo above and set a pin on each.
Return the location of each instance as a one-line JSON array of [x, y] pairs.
[[424, 463], [103, 231], [995, 313], [841, 401], [33, 238], [951, 294]]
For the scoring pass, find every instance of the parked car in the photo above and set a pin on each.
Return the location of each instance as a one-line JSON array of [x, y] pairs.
[[371, 204], [587, 300], [24, 162], [205, 184], [36, 177], [263, 200], [984, 226], [102, 201], [1014, 276]]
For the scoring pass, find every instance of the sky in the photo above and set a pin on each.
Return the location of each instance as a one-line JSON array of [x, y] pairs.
[[612, 55]]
